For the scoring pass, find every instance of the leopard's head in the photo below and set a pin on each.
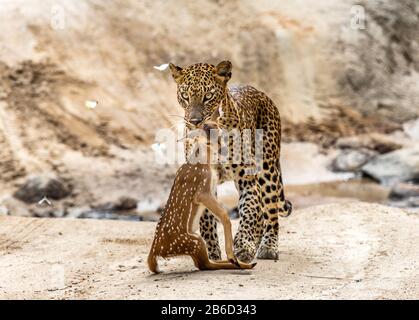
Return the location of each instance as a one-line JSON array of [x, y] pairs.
[[200, 89]]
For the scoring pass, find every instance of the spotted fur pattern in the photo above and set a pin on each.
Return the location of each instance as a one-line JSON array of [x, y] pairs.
[[201, 89], [175, 232]]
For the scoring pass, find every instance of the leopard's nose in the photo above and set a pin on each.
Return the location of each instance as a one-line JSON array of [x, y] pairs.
[[195, 121]]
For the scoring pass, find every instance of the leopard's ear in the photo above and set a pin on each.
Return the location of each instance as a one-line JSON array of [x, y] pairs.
[[223, 71], [177, 72]]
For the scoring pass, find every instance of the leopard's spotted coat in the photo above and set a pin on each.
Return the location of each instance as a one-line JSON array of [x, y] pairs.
[[202, 88]]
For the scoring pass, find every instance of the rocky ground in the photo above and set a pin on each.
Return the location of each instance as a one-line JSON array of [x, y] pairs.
[[339, 251]]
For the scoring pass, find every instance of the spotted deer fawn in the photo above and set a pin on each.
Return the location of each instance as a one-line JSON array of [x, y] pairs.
[[192, 191]]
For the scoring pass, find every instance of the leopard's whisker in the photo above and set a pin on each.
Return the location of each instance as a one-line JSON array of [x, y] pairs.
[[175, 124], [181, 139], [177, 115]]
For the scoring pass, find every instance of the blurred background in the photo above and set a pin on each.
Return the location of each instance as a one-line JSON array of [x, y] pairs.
[[344, 75]]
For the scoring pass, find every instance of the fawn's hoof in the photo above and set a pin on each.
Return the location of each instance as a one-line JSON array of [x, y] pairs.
[[234, 261], [267, 253]]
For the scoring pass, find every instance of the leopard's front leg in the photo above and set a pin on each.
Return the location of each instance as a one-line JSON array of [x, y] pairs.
[[208, 230], [249, 232]]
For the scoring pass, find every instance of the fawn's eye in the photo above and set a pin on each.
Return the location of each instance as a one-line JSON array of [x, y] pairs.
[[184, 95], [208, 96]]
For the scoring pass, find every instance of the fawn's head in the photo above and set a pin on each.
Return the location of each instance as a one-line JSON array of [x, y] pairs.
[[205, 137]]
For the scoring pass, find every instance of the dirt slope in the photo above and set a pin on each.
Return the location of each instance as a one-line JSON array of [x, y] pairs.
[[346, 251], [55, 55]]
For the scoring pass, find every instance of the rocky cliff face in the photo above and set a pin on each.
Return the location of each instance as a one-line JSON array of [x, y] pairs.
[[324, 75], [380, 73]]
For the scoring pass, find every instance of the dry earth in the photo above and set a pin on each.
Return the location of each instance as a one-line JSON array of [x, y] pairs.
[[343, 251]]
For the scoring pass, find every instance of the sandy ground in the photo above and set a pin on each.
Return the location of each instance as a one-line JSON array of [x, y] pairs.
[[346, 251]]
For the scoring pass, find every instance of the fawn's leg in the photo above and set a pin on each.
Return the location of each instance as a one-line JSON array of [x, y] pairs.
[[202, 261], [209, 201]]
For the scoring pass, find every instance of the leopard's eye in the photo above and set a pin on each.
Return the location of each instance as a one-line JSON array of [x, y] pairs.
[[184, 95], [208, 96]]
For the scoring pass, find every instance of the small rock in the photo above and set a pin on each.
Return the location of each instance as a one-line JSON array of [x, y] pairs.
[[352, 160], [125, 203], [234, 213], [149, 216], [107, 206], [47, 211], [76, 212], [13, 207], [122, 204], [414, 202], [411, 128], [397, 166], [404, 190], [58, 213], [40, 186], [3, 211], [95, 214]]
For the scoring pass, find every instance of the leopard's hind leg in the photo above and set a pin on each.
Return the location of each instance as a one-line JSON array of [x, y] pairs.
[[274, 205]]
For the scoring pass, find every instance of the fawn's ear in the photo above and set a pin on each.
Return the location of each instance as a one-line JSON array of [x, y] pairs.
[[223, 71], [177, 72]]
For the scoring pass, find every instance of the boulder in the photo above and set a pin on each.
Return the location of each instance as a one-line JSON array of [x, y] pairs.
[[394, 167], [373, 141], [404, 190], [351, 160], [37, 187]]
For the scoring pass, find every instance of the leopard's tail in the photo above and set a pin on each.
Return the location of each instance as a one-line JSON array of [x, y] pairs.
[[287, 209]]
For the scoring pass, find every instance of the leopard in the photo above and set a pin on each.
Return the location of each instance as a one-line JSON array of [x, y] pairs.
[[201, 89]]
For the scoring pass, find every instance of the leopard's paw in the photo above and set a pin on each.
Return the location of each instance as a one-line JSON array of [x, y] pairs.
[[215, 255], [245, 252], [268, 253]]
